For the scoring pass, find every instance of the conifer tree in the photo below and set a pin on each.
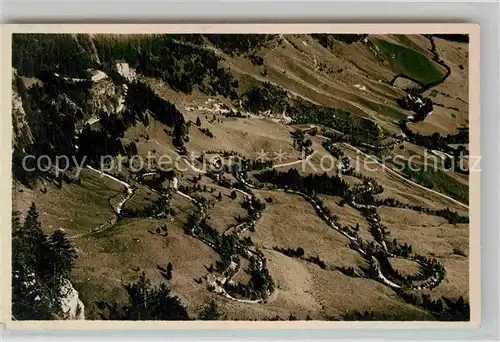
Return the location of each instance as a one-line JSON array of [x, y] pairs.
[[133, 149], [61, 255], [169, 271], [146, 302], [35, 284], [210, 312], [30, 240]]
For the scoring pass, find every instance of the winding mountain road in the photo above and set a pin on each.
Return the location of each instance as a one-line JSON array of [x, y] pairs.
[[406, 180], [294, 162], [219, 287], [111, 222], [130, 191]]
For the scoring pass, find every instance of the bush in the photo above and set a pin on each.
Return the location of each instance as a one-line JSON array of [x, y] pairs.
[[458, 251]]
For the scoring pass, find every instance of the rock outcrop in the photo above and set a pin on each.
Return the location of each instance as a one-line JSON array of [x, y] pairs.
[[72, 307], [126, 71], [106, 97], [21, 131]]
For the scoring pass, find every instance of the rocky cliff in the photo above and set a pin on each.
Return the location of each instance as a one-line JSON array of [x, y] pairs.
[[72, 307]]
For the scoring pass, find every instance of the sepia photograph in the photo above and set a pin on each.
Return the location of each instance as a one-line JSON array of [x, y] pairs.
[[233, 176]]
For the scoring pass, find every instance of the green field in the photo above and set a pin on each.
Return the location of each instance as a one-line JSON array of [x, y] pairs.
[[411, 63]]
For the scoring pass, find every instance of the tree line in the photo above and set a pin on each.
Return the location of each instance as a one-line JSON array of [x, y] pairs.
[[452, 216], [173, 59], [66, 54], [275, 99], [52, 115], [141, 97], [145, 302], [291, 179], [41, 265], [265, 97], [443, 309], [156, 208], [436, 141], [328, 41], [260, 284], [240, 44]]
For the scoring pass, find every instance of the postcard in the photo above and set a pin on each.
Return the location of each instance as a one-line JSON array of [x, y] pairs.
[[240, 176]]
